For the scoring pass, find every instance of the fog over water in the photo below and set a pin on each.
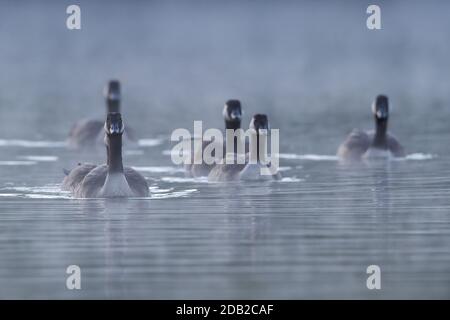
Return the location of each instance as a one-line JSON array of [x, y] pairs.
[[312, 67]]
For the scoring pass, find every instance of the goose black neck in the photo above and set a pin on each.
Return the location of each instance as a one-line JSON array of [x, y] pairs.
[[380, 139], [113, 105], [260, 148], [114, 149], [234, 124], [257, 147]]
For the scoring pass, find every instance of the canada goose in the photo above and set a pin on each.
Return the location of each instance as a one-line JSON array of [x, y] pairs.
[[232, 114], [250, 167], [88, 133], [378, 143], [109, 180]]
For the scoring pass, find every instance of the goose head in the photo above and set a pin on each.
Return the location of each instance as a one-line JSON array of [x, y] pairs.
[[112, 96], [232, 113], [259, 126], [114, 128], [380, 108], [260, 123], [114, 125]]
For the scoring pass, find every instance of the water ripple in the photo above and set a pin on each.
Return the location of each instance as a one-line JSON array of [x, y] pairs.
[[32, 144]]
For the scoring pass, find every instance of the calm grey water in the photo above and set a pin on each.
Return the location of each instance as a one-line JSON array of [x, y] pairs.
[[314, 68]]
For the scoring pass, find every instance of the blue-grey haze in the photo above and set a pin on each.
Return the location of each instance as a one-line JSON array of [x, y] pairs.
[[312, 66]]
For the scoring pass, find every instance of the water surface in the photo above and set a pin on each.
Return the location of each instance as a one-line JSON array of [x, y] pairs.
[[314, 68]]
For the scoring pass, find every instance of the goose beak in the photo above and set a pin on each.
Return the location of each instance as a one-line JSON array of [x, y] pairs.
[[235, 115], [381, 114], [115, 128], [113, 96], [263, 129]]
